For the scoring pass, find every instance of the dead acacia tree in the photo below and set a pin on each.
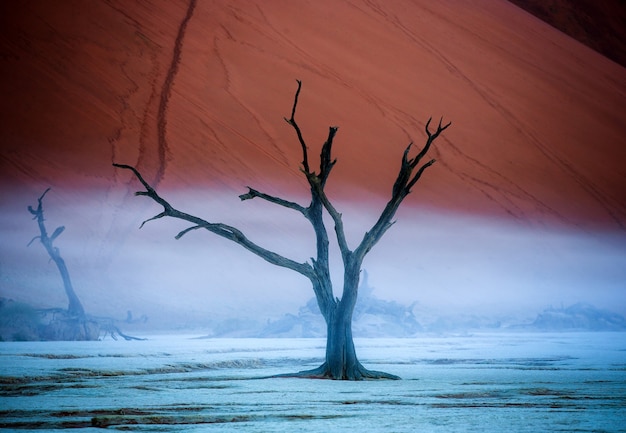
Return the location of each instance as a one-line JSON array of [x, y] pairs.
[[75, 325], [341, 361], [75, 308]]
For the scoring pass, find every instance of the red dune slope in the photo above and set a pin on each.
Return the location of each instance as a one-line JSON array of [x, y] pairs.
[[194, 94]]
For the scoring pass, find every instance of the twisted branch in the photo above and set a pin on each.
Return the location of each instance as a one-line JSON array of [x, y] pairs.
[[253, 193], [401, 188], [292, 122], [223, 230]]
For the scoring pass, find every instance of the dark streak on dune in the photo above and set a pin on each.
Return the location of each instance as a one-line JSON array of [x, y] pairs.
[[584, 182], [502, 188], [166, 93]]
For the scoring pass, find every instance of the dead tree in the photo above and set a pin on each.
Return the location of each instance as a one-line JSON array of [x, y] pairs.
[[74, 325], [341, 361], [75, 308]]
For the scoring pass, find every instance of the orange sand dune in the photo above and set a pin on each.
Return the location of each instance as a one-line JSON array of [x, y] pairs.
[[193, 93]]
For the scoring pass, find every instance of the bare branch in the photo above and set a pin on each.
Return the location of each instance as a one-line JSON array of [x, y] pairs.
[[418, 175], [184, 232], [317, 183], [253, 193], [401, 188], [150, 192], [440, 128], [404, 172], [326, 163], [40, 199], [322, 285], [56, 233], [336, 216], [156, 217], [219, 229], [292, 122], [431, 138]]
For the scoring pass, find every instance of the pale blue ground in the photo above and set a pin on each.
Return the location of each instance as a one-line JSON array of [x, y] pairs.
[[501, 382]]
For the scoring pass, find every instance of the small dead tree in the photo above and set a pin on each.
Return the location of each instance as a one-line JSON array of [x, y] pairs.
[[74, 325], [75, 308], [341, 361]]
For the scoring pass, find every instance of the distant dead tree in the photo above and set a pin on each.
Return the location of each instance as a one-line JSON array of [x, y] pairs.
[[71, 324], [74, 325], [341, 361]]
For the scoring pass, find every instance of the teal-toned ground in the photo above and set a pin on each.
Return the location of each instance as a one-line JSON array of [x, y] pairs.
[[515, 382]]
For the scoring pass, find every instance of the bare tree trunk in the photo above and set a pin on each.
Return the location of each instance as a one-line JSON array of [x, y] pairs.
[[341, 362], [341, 359], [74, 308], [340, 352]]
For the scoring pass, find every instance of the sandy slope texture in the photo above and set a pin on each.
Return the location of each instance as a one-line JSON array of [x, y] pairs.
[[193, 93]]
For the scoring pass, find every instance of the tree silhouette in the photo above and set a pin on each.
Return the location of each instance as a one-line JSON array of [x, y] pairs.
[[341, 361], [73, 325], [75, 308]]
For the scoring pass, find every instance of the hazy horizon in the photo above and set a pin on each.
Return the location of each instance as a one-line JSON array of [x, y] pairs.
[[447, 263]]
